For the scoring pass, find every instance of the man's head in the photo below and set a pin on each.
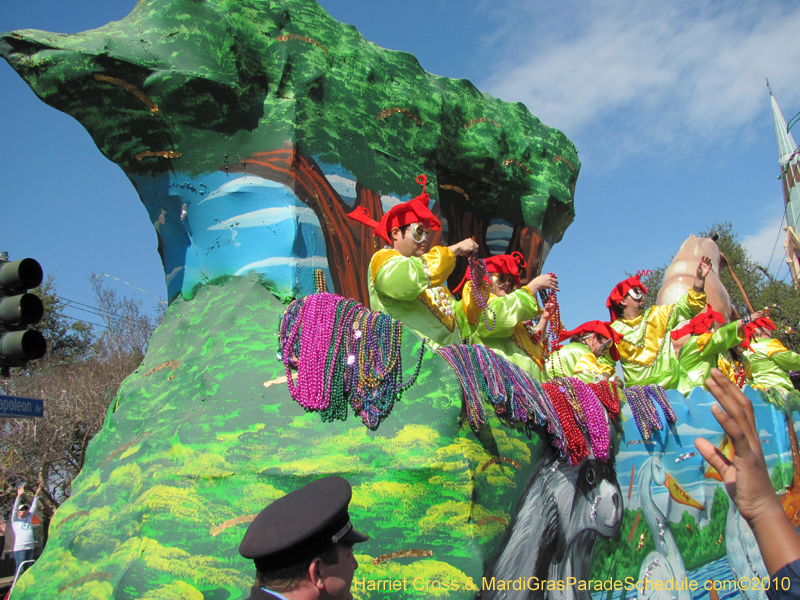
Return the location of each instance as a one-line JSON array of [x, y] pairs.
[[303, 542], [503, 272], [23, 511], [501, 284], [598, 335], [627, 299], [598, 344], [410, 240], [414, 215], [328, 575]]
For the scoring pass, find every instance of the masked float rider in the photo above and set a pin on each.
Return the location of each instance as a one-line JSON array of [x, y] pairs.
[[590, 341], [406, 282], [494, 313], [646, 350], [699, 343], [770, 360]]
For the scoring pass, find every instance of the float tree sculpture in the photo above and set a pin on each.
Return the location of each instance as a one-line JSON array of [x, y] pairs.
[[179, 91]]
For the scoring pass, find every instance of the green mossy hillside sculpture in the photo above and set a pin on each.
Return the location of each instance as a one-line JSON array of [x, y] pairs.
[[204, 434]]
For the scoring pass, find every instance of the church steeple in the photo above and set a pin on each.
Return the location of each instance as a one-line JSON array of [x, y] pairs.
[[789, 162], [786, 144]]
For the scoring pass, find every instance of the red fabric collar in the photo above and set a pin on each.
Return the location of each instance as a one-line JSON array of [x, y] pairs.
[[601, 327], [620, 290], [699, 324], [508, 264], [750, 329], [400, 215]]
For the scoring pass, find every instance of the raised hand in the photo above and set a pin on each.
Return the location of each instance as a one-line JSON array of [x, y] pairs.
[[543, 282], [465, 247], [746, 477], [703, 268]]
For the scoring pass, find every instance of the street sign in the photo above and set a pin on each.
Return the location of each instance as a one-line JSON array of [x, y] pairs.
[[14, 406]]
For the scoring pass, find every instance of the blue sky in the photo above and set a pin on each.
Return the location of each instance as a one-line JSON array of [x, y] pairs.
[[667, 105]]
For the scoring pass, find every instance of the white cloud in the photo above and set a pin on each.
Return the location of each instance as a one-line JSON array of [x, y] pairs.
[[387, 202], [624, 455], [269, 216], [652, 76], [686, 429], [344, 187], [770, 237], [284, 261], [241, 185]]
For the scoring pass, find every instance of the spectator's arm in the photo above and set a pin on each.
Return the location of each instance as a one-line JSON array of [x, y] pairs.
[[746, 477]]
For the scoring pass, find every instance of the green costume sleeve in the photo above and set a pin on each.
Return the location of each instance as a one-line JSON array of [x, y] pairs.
[[787, 360], [562, 362], [723, 338], [607, 361], [767, 372], [519, 305], [687, 307], [401, 278], [700, 354]]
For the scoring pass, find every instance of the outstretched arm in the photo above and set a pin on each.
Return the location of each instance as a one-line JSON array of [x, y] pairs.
[[20, 491], [35, 502], [466, 247], [741, 322], [544, 320], [543, 282], [746, 477], [703, 270]]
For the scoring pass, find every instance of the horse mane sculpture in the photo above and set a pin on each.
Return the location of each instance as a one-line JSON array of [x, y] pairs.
[[565, 508]]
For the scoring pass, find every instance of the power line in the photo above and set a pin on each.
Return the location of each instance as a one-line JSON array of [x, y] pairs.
[[778, 273], [87, 322], [92, 312], [780, 228], [93, 309]]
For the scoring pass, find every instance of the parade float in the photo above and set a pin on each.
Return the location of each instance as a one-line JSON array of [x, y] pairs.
[[250, 128]]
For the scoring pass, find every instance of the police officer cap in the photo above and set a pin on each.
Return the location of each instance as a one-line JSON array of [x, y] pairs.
[[301, 525]]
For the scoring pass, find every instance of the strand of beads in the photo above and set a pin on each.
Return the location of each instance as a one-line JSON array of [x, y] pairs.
[[739, 374], [569, 409], [481, 300], [576, 448], [556, 326], [343, 354], [638, 401], [606, 392], [641, 400], [311, 379], [657, 393], [320, 285], [458, 358], [596, 421], [487, 377]]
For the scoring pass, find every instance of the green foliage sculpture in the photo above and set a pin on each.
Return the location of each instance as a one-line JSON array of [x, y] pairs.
[[181, 92]]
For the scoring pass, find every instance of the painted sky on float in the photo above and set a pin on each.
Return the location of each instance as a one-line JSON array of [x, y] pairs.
[[666, 104]]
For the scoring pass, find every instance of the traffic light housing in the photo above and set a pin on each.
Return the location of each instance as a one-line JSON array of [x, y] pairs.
[[18, 309]]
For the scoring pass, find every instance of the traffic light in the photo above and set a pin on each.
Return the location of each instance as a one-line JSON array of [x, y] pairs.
[[18, 309]]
